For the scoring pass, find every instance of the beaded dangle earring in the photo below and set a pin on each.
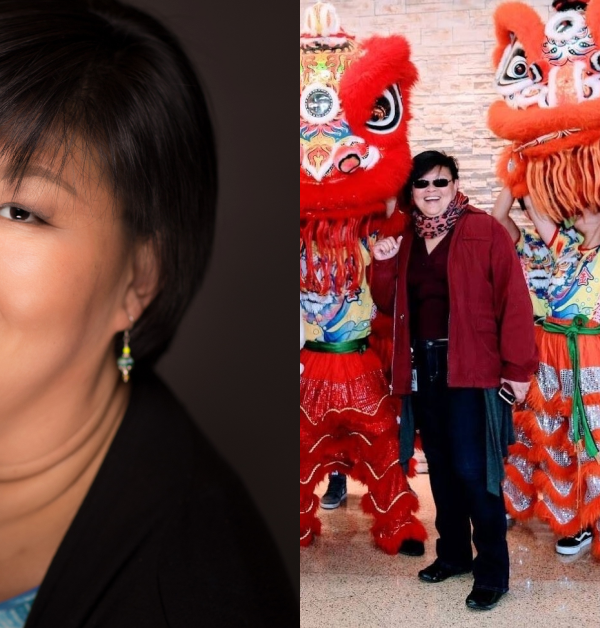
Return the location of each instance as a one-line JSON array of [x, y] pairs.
[[126, 362]]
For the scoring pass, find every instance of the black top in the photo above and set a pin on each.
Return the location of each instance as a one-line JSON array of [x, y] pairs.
[[428, 294], [166, 537]]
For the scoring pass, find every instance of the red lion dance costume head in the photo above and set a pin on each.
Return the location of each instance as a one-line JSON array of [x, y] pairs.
[[549, 77], [354, 158]]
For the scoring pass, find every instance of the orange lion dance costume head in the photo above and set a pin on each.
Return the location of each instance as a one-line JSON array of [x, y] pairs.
[[549, 78]]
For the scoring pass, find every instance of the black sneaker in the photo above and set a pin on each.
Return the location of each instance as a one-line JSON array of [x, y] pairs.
[[572, 544], [336, 492]]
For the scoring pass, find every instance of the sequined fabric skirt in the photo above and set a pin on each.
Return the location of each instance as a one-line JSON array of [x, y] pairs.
[[334, 383], [546, 473]]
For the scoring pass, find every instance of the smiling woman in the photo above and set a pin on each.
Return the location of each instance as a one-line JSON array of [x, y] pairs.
[[114, 510], [460, 307]]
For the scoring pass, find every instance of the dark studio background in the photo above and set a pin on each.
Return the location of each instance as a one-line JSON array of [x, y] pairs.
[[231, 363]]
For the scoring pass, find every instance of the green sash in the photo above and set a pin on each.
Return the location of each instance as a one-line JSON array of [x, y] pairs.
[[580, 420], [349, 346]]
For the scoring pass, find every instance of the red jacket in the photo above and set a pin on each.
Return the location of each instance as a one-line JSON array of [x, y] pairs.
[[491, 318]]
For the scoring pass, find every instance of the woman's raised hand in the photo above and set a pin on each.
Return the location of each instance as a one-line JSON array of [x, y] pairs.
[[386, 248]]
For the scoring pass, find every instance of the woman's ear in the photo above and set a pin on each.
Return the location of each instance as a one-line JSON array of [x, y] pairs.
[[144, 279]]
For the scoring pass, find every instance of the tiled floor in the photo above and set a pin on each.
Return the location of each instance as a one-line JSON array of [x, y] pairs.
[[346, 582]]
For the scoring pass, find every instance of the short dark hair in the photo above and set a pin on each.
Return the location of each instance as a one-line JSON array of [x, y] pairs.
[[426, 161], [109, 76]]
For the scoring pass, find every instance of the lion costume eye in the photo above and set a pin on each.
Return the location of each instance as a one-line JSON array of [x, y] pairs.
[[387, 111], [515, 66]]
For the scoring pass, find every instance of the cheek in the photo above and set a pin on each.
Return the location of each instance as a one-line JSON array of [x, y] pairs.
[[418, 197], [52, 282]]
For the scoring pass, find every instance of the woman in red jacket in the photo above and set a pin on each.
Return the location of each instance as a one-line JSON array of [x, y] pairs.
[[463, 323]]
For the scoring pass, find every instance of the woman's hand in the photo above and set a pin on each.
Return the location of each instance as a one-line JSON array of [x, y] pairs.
[[519, 389], [386, 248]]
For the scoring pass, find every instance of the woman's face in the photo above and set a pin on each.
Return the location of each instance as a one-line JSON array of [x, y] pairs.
[[65, 268], [433, 201]]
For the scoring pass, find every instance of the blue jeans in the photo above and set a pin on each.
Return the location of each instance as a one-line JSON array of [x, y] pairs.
[[453, 432]]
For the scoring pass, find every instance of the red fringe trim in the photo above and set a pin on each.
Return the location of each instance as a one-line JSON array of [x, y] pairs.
[[412, 530], [537, 402], [591, 512], [335, 264], [406, 504], [544, 485], [412, 468], [521, 515], [541, 511], [513, 474], [396, 525], [307, 539], [596, 545], [519, 449], [539, 454]]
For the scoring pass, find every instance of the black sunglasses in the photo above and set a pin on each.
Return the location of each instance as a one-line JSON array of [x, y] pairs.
[[423, 183]]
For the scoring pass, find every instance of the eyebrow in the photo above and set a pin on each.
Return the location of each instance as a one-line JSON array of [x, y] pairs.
[[41, 172]]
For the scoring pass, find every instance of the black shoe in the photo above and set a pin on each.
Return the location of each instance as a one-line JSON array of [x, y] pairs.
[[336, 492], [412, 547], [483, 599], [438, 573], [569, 545]]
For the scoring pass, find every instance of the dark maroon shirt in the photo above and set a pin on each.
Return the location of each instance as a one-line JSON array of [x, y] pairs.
[[428, 294]]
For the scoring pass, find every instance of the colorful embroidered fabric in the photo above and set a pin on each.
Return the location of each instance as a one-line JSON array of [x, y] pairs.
[[537, 264], [575, 283], [338, 317], [14, 612]]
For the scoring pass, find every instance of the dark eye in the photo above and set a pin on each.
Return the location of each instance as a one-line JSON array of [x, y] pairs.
[[17, 213], [517, 68], [381, 110], [514, 67], [387, 111]]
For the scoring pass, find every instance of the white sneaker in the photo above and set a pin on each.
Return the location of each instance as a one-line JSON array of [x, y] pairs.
[[573, 544]]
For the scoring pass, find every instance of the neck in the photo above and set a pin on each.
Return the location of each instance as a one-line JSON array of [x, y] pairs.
[[51, 452]]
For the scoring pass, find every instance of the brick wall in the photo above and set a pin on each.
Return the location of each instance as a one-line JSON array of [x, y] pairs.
[[452, 44]]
